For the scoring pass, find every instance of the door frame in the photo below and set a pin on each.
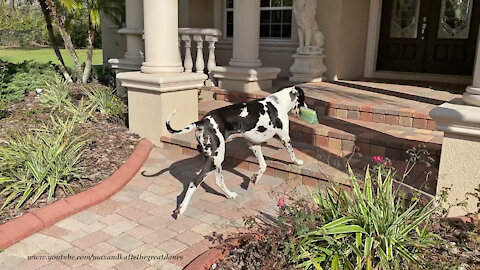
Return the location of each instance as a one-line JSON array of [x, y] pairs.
[[370, 69]]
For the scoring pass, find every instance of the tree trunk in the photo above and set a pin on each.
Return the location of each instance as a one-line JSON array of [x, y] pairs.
[[91, 37], [59, 21], [53, 40]]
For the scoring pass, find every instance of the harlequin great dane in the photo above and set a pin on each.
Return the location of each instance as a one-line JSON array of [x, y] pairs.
[[258, 121]]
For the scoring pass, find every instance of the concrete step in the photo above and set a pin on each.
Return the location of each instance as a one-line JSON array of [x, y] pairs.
[[321, 164], [347, 136]]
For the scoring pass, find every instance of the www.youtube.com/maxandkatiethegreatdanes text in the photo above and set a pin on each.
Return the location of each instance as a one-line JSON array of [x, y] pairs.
[[92, 257]]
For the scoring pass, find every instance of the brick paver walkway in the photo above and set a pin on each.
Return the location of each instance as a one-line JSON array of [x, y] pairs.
[[138, 221]]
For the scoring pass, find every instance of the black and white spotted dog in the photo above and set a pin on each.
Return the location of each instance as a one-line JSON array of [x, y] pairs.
[[258, 121]]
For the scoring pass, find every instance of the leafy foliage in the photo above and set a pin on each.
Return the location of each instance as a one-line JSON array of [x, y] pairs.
[[373, 229], [41, 161], [105, 101], [82, 112], [17, 79], [56, 94]]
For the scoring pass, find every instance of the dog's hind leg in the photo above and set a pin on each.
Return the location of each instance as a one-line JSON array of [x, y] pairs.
[[208, 168], [257, 151]]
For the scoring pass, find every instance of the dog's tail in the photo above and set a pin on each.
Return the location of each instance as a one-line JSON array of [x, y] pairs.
[[189, 128]]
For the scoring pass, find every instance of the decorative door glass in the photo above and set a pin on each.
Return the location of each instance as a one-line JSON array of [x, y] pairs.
[[455, 17], [404, 22]]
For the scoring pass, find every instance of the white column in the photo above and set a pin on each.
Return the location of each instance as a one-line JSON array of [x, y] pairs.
[[161, 37], [246, 33], [134, 17], [472, 95]]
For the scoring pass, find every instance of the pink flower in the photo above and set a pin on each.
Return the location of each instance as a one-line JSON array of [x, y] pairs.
[[377, 159], [280, 202]]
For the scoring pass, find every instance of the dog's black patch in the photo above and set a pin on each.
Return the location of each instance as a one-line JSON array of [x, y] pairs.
[[230, 121], [261, 129], [273, 114], [301, 97]]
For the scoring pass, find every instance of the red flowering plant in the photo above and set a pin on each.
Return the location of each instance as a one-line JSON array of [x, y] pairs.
[[384, 165]]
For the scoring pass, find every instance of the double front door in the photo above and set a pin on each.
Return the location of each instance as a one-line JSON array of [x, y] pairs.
[[429, 36]]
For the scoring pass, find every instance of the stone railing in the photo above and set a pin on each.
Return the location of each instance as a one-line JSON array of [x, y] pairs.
[[199, 36]]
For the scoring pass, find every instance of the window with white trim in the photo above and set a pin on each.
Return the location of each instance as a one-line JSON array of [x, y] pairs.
[[275, 19]]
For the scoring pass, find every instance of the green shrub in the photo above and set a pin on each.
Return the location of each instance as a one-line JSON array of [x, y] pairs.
[[371, 229], [82, 112], [40, 161], [56, 94], [18, 79], [105, 101]]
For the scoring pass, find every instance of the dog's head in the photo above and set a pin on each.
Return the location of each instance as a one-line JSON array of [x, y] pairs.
[[297, 97]]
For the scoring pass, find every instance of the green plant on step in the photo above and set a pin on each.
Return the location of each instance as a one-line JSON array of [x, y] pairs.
[[56, 94], [82, 112], [40, 162], [371, 229], [105, 101]]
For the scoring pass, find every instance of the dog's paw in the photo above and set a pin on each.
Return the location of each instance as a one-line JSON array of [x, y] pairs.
[[232, 195], [254, 179], [299, 162], [176, 214]]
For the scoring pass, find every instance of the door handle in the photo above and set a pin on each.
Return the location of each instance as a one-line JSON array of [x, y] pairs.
[[424, 26]]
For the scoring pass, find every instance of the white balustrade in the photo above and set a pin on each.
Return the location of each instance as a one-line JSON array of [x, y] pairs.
[[199, 35]]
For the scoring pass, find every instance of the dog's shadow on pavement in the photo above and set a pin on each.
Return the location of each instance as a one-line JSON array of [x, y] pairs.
[[186, 170]]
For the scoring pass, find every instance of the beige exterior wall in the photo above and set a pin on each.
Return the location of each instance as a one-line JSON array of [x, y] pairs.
[[459, 170], [353, 39], [344, 24]]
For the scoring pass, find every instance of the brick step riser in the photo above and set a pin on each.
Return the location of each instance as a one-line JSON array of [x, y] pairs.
[[338, 144], [289, 175], [393, 152], [253, 167], [367, 114]]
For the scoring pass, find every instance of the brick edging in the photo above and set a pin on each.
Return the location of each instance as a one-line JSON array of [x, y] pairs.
[[31, 222]]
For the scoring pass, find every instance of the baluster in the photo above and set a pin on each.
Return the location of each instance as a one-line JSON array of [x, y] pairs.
[[199, 62], [188, 62], [211, 58]]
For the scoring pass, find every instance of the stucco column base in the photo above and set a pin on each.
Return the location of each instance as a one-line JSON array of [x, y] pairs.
[[472, 96], [152, 97], [307, 67], [460, 160], [245, 79]]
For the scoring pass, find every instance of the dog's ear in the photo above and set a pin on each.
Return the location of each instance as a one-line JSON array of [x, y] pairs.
[[293, 93]]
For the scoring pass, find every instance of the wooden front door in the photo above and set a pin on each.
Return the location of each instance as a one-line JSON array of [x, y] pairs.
[[429, 36]]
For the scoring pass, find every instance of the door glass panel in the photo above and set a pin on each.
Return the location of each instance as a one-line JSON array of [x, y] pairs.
[[455, 17], [404, 22]]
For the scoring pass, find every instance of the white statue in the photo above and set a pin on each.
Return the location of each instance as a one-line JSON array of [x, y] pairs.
[[304, 11]]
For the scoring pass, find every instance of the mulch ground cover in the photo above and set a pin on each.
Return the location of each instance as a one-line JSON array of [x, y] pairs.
[[110, 145]]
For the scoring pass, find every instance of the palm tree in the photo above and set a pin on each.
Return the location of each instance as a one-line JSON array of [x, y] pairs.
[[59, 8], [53, 40]]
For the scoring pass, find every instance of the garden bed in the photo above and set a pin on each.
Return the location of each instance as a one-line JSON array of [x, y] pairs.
[[109, 144], [461, 248]]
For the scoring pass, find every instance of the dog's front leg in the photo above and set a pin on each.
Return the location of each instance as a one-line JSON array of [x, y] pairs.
[[257, 151], [285, 138]]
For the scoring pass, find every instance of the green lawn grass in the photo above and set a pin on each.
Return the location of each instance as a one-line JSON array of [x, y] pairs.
[[45, 55]]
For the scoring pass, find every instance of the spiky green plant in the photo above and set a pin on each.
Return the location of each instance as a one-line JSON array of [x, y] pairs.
[[56, 94], [39, 162], [82, 112], [105, 101], [371, 229]]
